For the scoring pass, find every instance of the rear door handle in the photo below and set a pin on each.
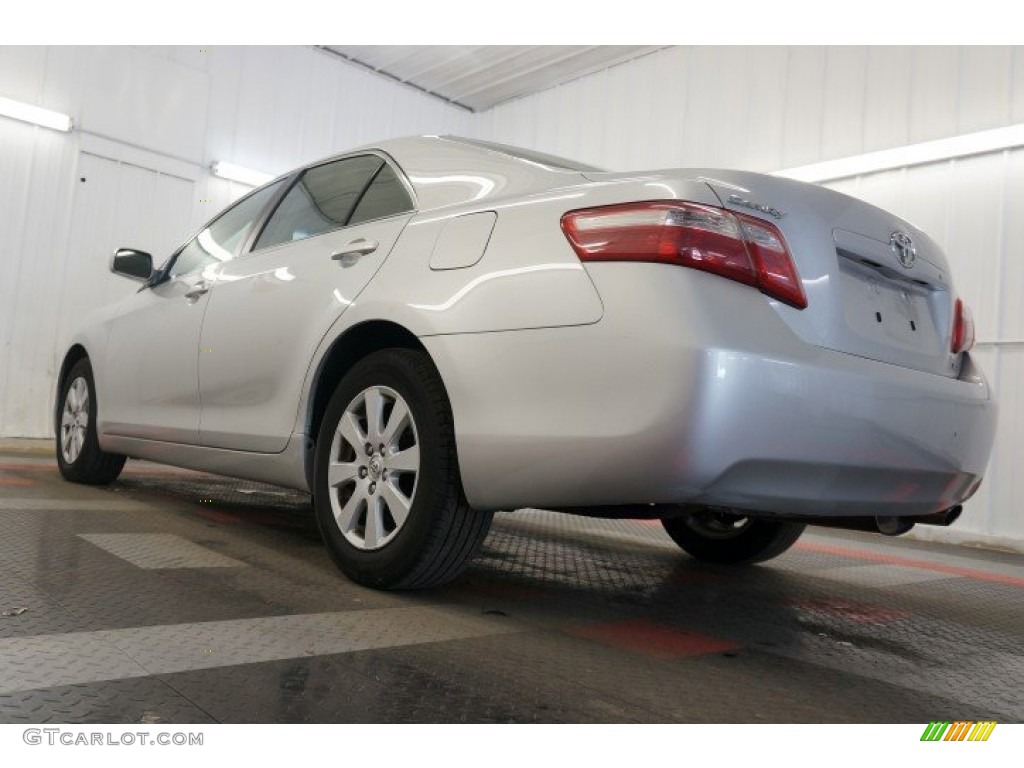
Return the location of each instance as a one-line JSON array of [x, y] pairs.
[[355, 249], [196, 291]]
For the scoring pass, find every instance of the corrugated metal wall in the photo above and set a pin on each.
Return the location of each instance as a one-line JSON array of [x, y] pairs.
[[163, 114], [771, 108], [173, 110]]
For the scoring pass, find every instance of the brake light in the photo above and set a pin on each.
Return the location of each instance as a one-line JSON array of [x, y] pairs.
[[963, 328], [732, 245]]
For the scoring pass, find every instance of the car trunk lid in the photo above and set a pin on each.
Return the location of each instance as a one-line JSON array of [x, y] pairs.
[[862, 299]]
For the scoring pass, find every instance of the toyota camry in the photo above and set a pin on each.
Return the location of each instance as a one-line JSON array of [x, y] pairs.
[[424, 331]]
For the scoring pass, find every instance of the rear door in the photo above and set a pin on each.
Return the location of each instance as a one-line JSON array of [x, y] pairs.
[[270, 308]]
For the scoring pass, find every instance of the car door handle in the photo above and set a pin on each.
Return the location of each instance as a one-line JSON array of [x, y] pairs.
[[197, 290], [355, 249]]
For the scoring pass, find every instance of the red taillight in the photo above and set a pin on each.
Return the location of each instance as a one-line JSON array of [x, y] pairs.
[[741, 248], [963, 328]]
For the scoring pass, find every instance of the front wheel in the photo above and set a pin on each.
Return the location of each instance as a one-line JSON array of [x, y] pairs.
[[728, 538], [387, 493], [78, 450]]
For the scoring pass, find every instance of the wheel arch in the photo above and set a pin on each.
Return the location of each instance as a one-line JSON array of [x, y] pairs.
[[349, 348]]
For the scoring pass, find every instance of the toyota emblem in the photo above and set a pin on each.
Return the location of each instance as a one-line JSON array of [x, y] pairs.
[[903, 247]]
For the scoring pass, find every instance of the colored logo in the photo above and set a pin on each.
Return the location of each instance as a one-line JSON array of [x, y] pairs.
[[961, 730]]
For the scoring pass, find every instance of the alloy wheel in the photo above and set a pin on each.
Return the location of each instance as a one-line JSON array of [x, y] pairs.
[[374, 468], [74, 420]]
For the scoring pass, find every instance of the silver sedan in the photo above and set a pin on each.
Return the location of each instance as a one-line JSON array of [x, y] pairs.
[[427, 330]]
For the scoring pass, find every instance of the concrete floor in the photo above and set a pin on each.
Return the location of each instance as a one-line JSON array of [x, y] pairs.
[[173, 596]]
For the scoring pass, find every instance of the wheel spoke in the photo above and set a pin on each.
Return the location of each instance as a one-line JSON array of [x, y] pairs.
[[351, 431], [81, 391], [397, 503], [397, 422], [374, 414], [67, 418], [340, 472], [374, 530], [348, 515], [405, 461], [66, 445]]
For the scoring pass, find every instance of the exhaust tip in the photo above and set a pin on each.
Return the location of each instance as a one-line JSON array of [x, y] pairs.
[[944, 518], [894, 526]]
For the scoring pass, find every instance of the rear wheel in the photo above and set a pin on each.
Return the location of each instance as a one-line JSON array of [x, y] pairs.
[[387, 492], [78, 450], [727, 538]]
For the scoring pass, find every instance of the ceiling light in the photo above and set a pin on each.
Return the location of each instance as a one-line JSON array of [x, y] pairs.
[[238, 173], [979, 143], [36, 115]]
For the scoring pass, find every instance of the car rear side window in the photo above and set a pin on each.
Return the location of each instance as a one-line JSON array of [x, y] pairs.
[[219, 241], [386, 196], [321, 201]]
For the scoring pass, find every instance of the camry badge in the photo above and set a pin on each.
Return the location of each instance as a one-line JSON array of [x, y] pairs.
[[775, 213], [903, 247]]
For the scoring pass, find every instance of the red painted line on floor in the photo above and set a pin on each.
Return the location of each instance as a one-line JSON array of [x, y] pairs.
[[656, 640], [28, 466], [216, 516], [910, 562], [16, 482], [51, 466], [848, 609]]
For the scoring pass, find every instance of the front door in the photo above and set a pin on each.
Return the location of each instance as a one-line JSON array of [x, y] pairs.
[[151, 362], [271, 307]]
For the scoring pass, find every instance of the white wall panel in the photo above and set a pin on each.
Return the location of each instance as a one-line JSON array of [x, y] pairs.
[[766, 93], [887, 98], [985, 74], [804, 96], [1011, 279], [933, 97], [1017, 85], [846, 70], [22, 70], [1006, 481], [135, 97]]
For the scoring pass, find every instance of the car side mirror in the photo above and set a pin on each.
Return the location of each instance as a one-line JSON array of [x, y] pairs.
[[136, 265]]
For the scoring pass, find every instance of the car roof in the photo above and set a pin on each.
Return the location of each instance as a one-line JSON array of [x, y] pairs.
[[451, 170]]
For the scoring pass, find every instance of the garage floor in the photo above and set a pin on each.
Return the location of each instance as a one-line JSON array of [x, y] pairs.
[[179, 597]]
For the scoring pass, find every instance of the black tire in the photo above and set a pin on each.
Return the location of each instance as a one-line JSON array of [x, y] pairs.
[[91, 466], [705, 535], [441, 532]]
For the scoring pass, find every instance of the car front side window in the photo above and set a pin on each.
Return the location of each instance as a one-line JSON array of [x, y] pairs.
[[220, 239]]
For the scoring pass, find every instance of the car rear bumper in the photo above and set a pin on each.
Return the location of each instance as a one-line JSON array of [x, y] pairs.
[[700, 393]]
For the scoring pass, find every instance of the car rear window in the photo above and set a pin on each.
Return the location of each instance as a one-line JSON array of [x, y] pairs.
[[322, 200], [386, 196]]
